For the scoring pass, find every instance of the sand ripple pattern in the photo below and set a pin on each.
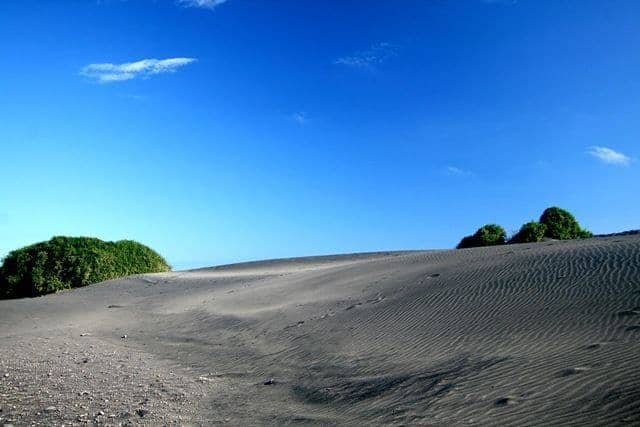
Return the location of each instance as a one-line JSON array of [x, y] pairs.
[[530, 334]]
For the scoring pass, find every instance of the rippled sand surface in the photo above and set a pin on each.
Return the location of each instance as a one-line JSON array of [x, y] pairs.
[[531, 334]]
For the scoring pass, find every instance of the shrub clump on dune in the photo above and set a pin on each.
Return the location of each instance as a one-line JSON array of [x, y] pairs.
[[555, 223], [487, 235], [561, 225], [71, 262], [530, 232]]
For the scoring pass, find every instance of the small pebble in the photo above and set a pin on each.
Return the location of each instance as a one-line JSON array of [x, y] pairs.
[[142, 412]]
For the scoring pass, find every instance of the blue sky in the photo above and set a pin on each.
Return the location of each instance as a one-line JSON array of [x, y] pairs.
[[222, 131]]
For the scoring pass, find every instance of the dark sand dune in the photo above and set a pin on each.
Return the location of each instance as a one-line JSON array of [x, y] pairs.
[[531, 334]]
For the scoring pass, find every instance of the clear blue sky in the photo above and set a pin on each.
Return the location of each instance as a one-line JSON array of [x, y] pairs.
[[257, 129]]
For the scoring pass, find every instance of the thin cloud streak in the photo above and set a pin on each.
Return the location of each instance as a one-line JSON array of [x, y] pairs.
[[300, 118], [375, 55], [108, 73], [456, 171], [203, 4], [609, 155]]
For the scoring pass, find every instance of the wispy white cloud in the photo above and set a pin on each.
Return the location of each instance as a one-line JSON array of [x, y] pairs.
[[133, 96], [609, 155], [300, 117], [107, 72], [375, 55], [205, 4], [456, 171]]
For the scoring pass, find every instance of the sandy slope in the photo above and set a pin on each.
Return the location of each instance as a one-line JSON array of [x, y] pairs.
[[533, 334]]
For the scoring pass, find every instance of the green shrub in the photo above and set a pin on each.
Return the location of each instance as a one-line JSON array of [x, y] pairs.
[[487, 235], [530, 232], [467, 242], [71, 262], [561, 225]]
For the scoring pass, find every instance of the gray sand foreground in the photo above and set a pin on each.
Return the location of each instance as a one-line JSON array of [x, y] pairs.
[[531, 334]]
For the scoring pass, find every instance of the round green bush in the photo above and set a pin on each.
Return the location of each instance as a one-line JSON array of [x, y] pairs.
[[71, 262], [487, 235], [530, 232], [561, 225]]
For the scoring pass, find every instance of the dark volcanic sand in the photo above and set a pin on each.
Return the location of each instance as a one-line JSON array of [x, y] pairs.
[[533, 334]]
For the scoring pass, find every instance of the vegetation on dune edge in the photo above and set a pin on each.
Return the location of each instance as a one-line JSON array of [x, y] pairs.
[[487, 235], [554, 223], [72, 262]]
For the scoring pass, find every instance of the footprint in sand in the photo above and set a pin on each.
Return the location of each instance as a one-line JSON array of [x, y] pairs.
[[633, 312], [573, 371], [505, 401], [376, 300], [594, 346], [429, 276]]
